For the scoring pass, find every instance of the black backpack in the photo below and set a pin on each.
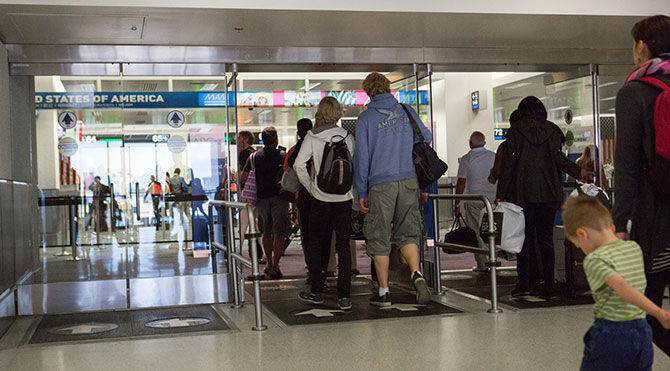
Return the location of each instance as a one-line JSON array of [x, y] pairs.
[[336, 174]]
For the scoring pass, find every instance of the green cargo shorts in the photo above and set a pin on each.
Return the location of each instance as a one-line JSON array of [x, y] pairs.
[[394, 216]]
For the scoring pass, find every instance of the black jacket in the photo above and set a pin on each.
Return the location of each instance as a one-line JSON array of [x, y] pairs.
[[532, 164], [633, 194]]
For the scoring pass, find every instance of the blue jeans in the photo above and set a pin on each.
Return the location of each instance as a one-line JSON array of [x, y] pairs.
[[625, 345]]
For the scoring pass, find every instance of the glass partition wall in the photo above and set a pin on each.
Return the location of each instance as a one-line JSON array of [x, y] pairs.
[[139, 243]]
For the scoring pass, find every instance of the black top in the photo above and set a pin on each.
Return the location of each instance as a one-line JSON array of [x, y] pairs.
[[268, 167], [243, 157], [634, 196], [532, 165]]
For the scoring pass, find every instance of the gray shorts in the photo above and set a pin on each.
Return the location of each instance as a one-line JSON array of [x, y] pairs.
[[393, 204], [273, 217]]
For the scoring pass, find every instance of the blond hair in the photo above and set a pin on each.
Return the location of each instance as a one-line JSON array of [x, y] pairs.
[[329, 112], [375, 84], [585, 212]]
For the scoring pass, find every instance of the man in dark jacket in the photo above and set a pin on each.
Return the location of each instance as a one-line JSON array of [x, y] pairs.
[[532, 174]]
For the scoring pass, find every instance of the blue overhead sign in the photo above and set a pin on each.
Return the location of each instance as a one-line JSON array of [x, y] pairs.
[[148, 100], [84, 100]]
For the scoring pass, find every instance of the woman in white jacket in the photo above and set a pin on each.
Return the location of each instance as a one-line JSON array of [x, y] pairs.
[[329, 212]]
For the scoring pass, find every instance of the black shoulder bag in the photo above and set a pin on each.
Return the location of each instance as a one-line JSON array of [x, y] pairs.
[[429, 167]]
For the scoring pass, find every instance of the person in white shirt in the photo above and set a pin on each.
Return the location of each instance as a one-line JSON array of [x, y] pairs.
[[473, 172], [328, 212]]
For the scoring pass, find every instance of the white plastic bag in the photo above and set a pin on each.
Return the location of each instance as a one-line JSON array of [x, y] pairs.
[[513, 233]]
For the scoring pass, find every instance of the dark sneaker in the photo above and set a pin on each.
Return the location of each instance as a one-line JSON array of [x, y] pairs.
[[548, 295], [381, 301], [422, 292], [278, 274], [274, 273], [267, 270], [519, 291], [310, 297], [344, 303]]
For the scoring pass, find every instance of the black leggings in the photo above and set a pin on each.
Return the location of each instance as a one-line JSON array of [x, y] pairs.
[[539, 237], [656, 284]]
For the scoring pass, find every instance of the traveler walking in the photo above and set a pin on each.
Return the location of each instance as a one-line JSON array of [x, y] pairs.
[[473, 172], [304, 199], [156, 190], [388, 189], [245, 139], [178, 187], [640, 183], [330, 147], [532, 176], [273, 217]]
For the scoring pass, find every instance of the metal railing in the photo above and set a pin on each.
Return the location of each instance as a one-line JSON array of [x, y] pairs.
[[73, 226], [493, 262], [235, 257]]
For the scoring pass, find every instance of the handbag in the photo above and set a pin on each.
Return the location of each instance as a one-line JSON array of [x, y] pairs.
[[460, 234], [509, 225], [289, 180], [429, 167], [249, 191]]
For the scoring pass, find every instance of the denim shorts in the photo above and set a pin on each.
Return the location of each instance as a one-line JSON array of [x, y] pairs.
[[618, 345]]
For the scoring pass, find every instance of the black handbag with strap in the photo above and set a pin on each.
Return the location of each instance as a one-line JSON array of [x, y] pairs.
[[429, 167], [460, 234]]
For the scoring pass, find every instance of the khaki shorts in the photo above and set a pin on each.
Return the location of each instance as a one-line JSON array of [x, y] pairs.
[[273, 217], [392, 204]]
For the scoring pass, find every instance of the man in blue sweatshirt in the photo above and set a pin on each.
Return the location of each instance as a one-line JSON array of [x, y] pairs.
[[385, 178]]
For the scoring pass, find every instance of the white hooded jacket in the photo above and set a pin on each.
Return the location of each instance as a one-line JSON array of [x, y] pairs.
[[312, 147]]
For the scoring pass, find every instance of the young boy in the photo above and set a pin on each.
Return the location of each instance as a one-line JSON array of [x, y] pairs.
[[620, 338]]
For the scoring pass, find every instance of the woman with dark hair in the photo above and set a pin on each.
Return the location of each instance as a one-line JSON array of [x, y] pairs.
[[636, 200], [303, 199], [531, 178]]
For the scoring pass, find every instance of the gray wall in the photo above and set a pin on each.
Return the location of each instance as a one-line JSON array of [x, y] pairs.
[[18, 180]]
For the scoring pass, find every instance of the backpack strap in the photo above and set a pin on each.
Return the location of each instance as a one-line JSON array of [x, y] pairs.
[[656, 82], [415, 126]]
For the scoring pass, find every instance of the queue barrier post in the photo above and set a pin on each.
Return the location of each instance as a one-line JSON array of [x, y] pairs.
[[235, 258], [493, 262]]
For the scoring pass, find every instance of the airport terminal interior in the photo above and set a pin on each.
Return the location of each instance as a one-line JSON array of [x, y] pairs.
[[100, 271]]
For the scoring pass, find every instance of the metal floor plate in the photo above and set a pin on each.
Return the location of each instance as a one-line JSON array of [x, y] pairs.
[[123, 324], [292, 311]]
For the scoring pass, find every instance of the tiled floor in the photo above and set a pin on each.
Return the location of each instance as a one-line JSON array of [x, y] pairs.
[[549, 339]]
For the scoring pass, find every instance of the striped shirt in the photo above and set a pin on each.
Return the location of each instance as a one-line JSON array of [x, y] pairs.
[[661, 262], [625, 259]]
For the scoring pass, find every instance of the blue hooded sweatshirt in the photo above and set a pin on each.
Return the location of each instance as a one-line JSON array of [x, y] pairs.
[[384, 142]]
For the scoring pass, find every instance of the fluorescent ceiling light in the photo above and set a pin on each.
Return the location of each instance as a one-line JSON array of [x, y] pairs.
[[559, 108], [519, 85], [608, 98]]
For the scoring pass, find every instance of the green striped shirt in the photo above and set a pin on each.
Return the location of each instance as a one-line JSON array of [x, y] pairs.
[[625, 259]]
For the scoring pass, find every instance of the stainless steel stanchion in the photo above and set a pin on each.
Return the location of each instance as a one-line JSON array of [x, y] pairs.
[[436, 236], [212, 252], [492, 263], [253, 240], [64, 252], [112, 211], [231, 249], [73, 229], [236, 260]]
